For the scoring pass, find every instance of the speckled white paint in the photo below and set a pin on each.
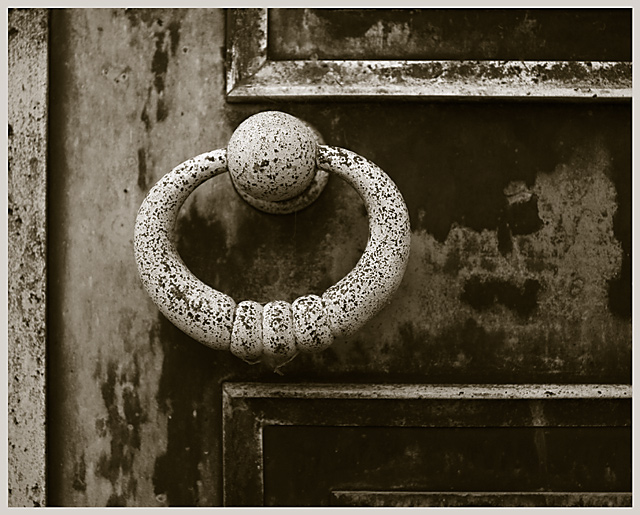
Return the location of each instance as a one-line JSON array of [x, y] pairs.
[[311, 325], [285, 207], [276, 332], [272, 156], [369, 286], [278, 340], [200, 311], [246, 338]]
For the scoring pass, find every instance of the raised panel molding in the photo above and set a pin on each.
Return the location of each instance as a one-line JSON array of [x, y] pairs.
[[252, 76], [249, 408]]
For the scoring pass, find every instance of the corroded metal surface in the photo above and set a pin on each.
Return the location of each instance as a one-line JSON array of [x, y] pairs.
[[366, 289], [246, 44], [469, 499], [336, 79], [303, 465], [504, 34], [28, 80], [299, 442], [119, 96], [206, 314], [519, 272], [430, 391], [564, 74]]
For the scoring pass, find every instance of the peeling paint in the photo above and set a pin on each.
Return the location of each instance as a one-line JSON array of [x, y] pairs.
[[125, 414], [142, 170], [482, 293], [176, 472]]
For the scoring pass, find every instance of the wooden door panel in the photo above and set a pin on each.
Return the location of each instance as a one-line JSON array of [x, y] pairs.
[[501, 34], [337, 444], [303, 465]]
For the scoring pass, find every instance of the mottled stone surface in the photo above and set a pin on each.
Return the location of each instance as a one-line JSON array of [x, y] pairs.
[[27, 296]]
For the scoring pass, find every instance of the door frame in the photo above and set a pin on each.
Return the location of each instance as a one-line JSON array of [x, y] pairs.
[[28, 86]]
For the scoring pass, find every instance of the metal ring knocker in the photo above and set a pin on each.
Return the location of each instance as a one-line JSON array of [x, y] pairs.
[[273, 159]]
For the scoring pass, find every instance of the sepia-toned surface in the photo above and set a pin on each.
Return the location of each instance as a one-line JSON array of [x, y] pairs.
[[426, 445], [519, 269], [427, 54], [500, 34], [27, 251]]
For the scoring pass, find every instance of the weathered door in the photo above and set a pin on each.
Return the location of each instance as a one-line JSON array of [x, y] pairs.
[[499, 374]]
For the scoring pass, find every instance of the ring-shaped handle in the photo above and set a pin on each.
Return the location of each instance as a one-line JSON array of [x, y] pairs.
[[277, 331]]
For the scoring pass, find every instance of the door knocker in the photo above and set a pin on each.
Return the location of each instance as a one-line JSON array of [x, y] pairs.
[[277, 165]]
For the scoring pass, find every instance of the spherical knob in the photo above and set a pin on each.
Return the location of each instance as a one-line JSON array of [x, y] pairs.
[[272, 156]]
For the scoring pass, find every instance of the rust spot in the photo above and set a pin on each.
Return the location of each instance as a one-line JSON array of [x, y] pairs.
[[132, 16], [101, 427], [621, 166], [159, 65], [176, 473], [79, 474], [144, 116], [523, 217], [119, 393], [482, 294], [142, 169], [149, 17], [161, 110], [174, 35]]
